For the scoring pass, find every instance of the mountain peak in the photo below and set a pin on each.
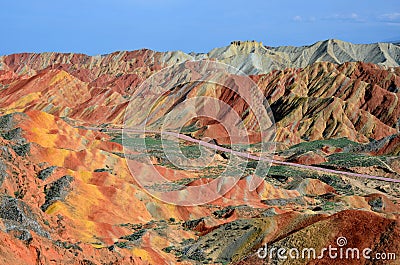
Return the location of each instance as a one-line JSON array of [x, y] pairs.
[[246, 43]]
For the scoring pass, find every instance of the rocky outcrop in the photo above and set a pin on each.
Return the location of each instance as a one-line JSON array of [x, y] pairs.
[[389, 145], [56, 191], [17, 216]]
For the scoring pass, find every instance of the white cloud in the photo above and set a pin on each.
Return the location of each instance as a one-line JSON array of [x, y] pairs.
[[303, 19], [390, 17], [396, 24], [351, 17], [354, 15], [297, 18]]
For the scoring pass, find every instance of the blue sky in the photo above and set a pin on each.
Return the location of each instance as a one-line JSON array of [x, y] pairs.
[[98, 27]]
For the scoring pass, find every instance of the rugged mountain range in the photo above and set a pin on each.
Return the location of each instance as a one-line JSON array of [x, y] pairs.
[[249, 56], [322, 100], [68, 196]]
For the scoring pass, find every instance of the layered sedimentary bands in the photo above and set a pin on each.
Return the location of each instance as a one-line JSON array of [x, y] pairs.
[[67, 195]]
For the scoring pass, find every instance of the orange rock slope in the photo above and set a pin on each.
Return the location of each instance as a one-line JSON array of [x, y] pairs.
[[76, 200]]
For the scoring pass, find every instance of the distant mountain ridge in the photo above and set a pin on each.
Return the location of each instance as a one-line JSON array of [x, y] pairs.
[[251, 57], [254, 58]]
